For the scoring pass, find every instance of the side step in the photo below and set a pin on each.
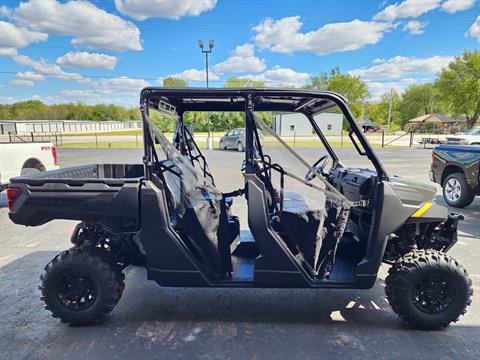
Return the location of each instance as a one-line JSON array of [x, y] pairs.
[[244, 252]]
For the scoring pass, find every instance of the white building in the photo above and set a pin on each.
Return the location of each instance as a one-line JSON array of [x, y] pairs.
[[298, 124], [65, 126]]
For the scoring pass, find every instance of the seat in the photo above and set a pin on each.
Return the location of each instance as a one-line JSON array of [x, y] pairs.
[[201, 216], [302, 229]]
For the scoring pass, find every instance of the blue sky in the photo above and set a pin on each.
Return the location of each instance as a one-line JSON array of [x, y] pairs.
[[106, 51]]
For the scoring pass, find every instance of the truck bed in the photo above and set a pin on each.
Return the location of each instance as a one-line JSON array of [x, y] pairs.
[[105, 193]]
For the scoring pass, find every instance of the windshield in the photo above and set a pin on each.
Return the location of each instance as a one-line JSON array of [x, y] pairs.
[[474, 131], [294, 160]]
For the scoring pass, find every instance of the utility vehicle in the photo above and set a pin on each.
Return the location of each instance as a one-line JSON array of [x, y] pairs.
[[308, 227]]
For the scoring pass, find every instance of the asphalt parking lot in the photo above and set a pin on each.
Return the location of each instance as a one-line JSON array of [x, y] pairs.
[[153, 322]]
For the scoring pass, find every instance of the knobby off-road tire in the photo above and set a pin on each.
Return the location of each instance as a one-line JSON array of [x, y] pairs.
[[456, 191], [81, 285], [428, 289]]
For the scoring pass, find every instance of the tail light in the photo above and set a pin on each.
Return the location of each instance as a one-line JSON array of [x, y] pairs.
[[12, 195], [433, 158], [54, 154]]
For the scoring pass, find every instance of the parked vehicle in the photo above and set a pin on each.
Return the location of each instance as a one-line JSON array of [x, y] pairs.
[[168, 216], [456, 169], [234, 139], [471, 137], [25, 158]]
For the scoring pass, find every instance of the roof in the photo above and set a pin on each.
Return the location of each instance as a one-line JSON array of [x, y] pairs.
[[367, 122], [433, 118], [235, 99]]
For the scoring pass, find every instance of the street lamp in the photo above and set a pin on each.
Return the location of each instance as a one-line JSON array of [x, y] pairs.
[[206, 52]]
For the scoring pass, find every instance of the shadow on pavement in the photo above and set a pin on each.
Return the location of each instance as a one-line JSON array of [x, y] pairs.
[[151, 321]]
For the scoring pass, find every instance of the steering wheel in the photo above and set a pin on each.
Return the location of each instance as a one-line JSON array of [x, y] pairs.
[[317, 168]]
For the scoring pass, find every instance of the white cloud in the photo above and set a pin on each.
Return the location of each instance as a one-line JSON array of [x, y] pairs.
[[45, 68], [415, 27], [407, 8], [284, 36], [87, 60], [474, 30], [8, 100], [19, 82], [278, 76], [10, 52], [172, 9], [29, 75], [242, 59], [27, 78], [377, 89], [196, 75], [4, 11], [452, 6], [12, 36], [120, 85], [120, 91], [400, 66], [90, 26]]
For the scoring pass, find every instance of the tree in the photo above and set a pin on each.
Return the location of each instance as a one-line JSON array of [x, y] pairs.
[[459, 86], [418, 100], [352, 87], [175, 82], [234, 82]]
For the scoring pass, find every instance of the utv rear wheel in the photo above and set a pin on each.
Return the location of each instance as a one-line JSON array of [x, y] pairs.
[[456, 191], [81, 286], [428, 289]]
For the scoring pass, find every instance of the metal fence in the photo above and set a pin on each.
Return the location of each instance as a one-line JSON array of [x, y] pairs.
[[55, 138]]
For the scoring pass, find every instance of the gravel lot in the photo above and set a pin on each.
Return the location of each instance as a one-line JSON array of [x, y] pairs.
[[153, 322]]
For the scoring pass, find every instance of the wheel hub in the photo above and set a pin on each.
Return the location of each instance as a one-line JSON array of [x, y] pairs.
[[433, 295], [453, 190], [76, 291]]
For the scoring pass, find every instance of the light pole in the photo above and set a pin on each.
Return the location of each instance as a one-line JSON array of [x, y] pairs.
[[206, 52]]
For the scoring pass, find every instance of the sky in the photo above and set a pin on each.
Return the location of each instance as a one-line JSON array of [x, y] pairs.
[[107, 51]]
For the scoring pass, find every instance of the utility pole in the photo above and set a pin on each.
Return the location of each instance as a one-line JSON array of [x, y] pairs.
[[207, 52], [390, 111]]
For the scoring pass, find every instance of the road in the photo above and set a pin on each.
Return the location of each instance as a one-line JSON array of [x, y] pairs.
[[151, 322]]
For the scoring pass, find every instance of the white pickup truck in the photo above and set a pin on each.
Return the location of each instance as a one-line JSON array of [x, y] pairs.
[[24, 158], [471, 137]]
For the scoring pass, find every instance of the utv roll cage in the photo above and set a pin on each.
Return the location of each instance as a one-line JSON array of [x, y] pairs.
[[177, 101]]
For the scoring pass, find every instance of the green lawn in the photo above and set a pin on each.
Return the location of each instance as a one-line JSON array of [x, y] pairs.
[[203, 145]]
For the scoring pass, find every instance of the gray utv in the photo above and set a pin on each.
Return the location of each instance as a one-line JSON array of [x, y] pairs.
[[326, 229]]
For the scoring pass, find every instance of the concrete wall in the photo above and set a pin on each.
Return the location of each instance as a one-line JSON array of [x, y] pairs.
[[298, 124], [65, 126]]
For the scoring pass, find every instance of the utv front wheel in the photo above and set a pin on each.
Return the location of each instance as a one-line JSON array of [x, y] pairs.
[[80, 286], [428, 289]]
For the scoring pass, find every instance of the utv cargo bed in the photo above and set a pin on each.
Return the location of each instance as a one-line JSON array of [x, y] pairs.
[[106, 193]]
